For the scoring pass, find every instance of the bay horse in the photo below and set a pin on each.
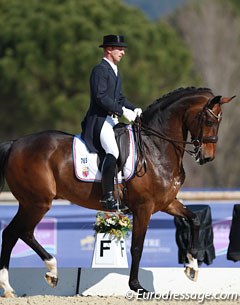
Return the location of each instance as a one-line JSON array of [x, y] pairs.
[[39, 168]]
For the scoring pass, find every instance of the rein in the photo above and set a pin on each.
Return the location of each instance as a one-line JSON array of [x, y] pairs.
[[141, 162], [196, 142]]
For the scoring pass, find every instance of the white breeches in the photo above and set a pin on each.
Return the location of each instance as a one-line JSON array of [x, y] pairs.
[[107, 137]]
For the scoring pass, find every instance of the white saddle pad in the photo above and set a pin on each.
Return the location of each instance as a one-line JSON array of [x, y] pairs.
[[86, 163]]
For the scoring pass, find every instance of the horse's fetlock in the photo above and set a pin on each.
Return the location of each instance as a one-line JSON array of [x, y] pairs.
[[4, 283], [134, 285], [51, 265]]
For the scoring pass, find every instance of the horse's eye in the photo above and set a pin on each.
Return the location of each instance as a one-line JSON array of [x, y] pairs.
[[209, 123]]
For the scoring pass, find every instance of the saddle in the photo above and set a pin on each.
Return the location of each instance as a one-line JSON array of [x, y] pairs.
[[87, 165]]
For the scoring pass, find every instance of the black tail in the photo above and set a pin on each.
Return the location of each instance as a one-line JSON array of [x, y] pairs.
[[5, 148]]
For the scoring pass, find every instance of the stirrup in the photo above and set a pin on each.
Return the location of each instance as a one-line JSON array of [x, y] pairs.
[[109, 202]]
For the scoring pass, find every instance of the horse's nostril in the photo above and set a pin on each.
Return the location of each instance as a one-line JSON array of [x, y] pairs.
[[205, 160]]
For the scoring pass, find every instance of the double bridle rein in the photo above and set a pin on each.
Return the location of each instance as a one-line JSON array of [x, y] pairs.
[[197, 141]]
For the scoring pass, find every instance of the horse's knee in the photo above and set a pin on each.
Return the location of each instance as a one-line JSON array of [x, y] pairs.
[[136, 251]]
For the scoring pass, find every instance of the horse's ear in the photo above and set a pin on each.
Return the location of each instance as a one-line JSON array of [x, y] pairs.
[[226, 99], [215, 100]]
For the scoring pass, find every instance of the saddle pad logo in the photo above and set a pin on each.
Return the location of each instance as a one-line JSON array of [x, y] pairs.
[[84, 165]]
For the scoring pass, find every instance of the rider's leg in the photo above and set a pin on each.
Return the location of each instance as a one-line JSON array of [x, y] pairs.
[[109, 144]]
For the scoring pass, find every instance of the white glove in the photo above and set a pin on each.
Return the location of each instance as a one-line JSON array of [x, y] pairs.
[[138, 111], [129, 114]]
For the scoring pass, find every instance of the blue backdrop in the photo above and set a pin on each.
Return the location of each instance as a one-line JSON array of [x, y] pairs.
[[67, 233]]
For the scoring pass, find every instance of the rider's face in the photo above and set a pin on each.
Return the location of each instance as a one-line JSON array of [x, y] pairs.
[[115, 54]]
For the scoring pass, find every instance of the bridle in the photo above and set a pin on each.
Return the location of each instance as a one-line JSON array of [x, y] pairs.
[[204, 118]]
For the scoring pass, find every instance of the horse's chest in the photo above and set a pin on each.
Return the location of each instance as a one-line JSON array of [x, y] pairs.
[[172, 186], [176, 184]]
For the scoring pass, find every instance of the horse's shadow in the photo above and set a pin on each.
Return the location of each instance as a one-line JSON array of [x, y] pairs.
[[112, 280]]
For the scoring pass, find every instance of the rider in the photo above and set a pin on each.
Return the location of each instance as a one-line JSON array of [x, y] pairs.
[[106, 106]]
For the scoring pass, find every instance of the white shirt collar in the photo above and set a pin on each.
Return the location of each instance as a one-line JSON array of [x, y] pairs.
[[114, 67]]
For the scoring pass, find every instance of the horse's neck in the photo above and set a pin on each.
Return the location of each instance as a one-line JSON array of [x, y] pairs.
[[168, 124], [164, 160], [168, 146]]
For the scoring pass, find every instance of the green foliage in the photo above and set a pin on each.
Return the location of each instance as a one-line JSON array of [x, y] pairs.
[[234, 3], [47, 51]]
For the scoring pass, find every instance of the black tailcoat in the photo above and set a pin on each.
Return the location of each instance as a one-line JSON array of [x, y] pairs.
[[106, 99]]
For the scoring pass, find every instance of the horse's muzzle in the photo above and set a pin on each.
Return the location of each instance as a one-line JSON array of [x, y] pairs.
[[205, 160]]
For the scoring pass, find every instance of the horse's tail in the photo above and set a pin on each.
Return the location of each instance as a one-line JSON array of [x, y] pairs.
[[5, 148]]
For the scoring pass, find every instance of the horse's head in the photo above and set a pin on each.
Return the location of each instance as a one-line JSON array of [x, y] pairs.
[[204, 128], [194, 110]]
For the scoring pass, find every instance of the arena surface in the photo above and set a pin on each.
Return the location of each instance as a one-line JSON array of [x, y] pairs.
[[53, 300]]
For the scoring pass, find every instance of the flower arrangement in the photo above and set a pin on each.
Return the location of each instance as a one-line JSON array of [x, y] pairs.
[[116, 224]]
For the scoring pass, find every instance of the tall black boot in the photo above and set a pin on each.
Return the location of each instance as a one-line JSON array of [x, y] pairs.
[[108, 172]]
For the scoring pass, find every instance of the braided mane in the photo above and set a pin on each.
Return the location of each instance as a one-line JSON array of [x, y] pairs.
[[175, 95]]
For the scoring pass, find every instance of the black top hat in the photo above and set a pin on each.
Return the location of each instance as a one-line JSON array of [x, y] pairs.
[[113, 41]]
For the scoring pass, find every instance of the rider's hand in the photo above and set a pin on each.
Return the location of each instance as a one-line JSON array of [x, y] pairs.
[[129, 114], [138, 111]]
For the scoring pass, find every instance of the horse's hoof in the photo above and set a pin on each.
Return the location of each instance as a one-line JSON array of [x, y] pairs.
[[9, 294], [51, 280], [135, 286], [191, 274]]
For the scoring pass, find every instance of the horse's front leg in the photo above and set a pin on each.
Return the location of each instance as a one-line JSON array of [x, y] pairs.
[[192, 267], [176, 208], [141, 219]]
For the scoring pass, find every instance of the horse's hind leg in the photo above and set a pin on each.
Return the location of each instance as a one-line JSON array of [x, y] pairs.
[[176, 208], [34, 216], [22, 226], [50, 261], [9, 239]]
